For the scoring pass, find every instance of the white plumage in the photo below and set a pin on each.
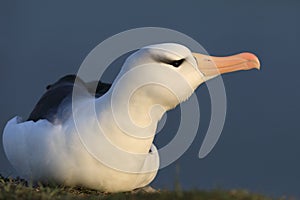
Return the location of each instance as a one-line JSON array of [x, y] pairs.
[[104, 144]]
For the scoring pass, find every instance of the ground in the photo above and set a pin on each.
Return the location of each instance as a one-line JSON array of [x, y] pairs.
[[20, 189]]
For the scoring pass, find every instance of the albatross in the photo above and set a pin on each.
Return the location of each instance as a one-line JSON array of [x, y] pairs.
[[99, 135]]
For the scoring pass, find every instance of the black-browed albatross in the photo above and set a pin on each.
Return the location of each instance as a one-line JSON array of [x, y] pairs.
[[103, 143]]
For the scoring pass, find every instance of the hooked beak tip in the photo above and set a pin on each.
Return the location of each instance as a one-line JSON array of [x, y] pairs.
[[253, 61]]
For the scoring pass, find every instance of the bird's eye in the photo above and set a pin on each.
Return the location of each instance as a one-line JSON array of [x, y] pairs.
[[176, 63]]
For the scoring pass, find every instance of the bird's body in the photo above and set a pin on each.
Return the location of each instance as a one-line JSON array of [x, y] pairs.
[[51, 148], [105, 143]]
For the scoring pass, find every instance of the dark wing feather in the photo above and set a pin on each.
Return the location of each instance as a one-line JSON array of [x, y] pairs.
[[97, 88], [60, 92]]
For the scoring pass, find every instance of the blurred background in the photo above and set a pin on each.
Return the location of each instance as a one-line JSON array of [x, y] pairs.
[[258, 150]]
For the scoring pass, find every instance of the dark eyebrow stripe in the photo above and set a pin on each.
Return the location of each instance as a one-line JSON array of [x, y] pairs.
[[166, 60]]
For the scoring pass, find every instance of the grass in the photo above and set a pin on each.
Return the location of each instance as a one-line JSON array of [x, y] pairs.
[[20, 189]]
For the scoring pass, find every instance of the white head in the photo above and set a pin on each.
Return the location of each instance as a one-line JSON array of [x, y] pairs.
[[168, 73]]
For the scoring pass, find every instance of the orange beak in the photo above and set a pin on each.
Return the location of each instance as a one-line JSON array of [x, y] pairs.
[[212, 66]]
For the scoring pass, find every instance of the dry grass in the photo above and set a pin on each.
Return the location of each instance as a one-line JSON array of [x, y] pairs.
[[20, 189]]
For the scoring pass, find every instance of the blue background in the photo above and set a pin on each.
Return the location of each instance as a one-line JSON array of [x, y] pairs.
[[259, 150]]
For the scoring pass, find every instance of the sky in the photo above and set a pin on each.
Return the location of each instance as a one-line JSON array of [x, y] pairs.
[[259, 146]]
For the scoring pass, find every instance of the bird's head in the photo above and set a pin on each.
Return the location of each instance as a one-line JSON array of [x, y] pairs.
[[168, 73]]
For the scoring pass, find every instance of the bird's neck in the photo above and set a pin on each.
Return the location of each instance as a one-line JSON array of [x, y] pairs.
[[129, 120]]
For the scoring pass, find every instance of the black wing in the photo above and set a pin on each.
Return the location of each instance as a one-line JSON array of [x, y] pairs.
[[61, 92], [97, 88]]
